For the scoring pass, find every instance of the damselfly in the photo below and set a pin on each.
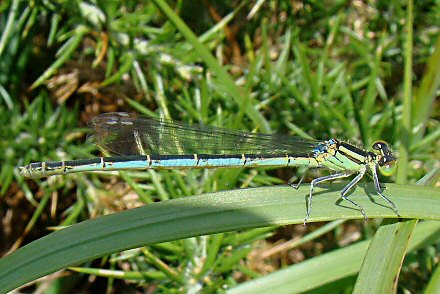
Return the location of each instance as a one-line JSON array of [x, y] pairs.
[[143, 143]]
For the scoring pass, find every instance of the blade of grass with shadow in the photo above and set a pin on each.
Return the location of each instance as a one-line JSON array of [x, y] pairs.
[[344, 263], [381, 267], [199, 215], [387, 250], [330, 267], [434, 283]]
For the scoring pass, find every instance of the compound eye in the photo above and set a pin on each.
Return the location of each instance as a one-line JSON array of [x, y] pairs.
[[388, 168], [380, 145]]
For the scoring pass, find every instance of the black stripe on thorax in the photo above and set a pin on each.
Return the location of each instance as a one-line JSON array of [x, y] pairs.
[[352, 149]]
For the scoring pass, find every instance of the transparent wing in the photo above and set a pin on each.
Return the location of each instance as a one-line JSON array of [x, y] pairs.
[[129, 134]]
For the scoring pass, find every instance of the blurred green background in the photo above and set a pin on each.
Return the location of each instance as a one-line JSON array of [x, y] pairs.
[[353, 70]]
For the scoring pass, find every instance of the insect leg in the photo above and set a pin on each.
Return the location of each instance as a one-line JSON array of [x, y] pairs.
[[320, 180]]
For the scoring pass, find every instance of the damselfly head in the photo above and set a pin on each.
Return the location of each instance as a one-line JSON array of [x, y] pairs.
[[385, 158]]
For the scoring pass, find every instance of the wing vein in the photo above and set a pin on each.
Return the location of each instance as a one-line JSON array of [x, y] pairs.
[[129, 134]]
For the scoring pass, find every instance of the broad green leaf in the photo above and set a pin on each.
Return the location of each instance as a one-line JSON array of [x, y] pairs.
[[199, 215]]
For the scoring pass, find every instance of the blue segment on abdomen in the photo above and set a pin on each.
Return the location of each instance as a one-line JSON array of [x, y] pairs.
[[219, 161], [172, 163], [135, 163]]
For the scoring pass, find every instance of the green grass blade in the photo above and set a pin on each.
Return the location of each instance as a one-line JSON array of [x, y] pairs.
[[405, 132], [213, 64], [329, 267], [384, 258], [426, 94], [381, 266], [434, 283], [126, 64], [199, 215], [72, 44], [129, 275], [9, 29]]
